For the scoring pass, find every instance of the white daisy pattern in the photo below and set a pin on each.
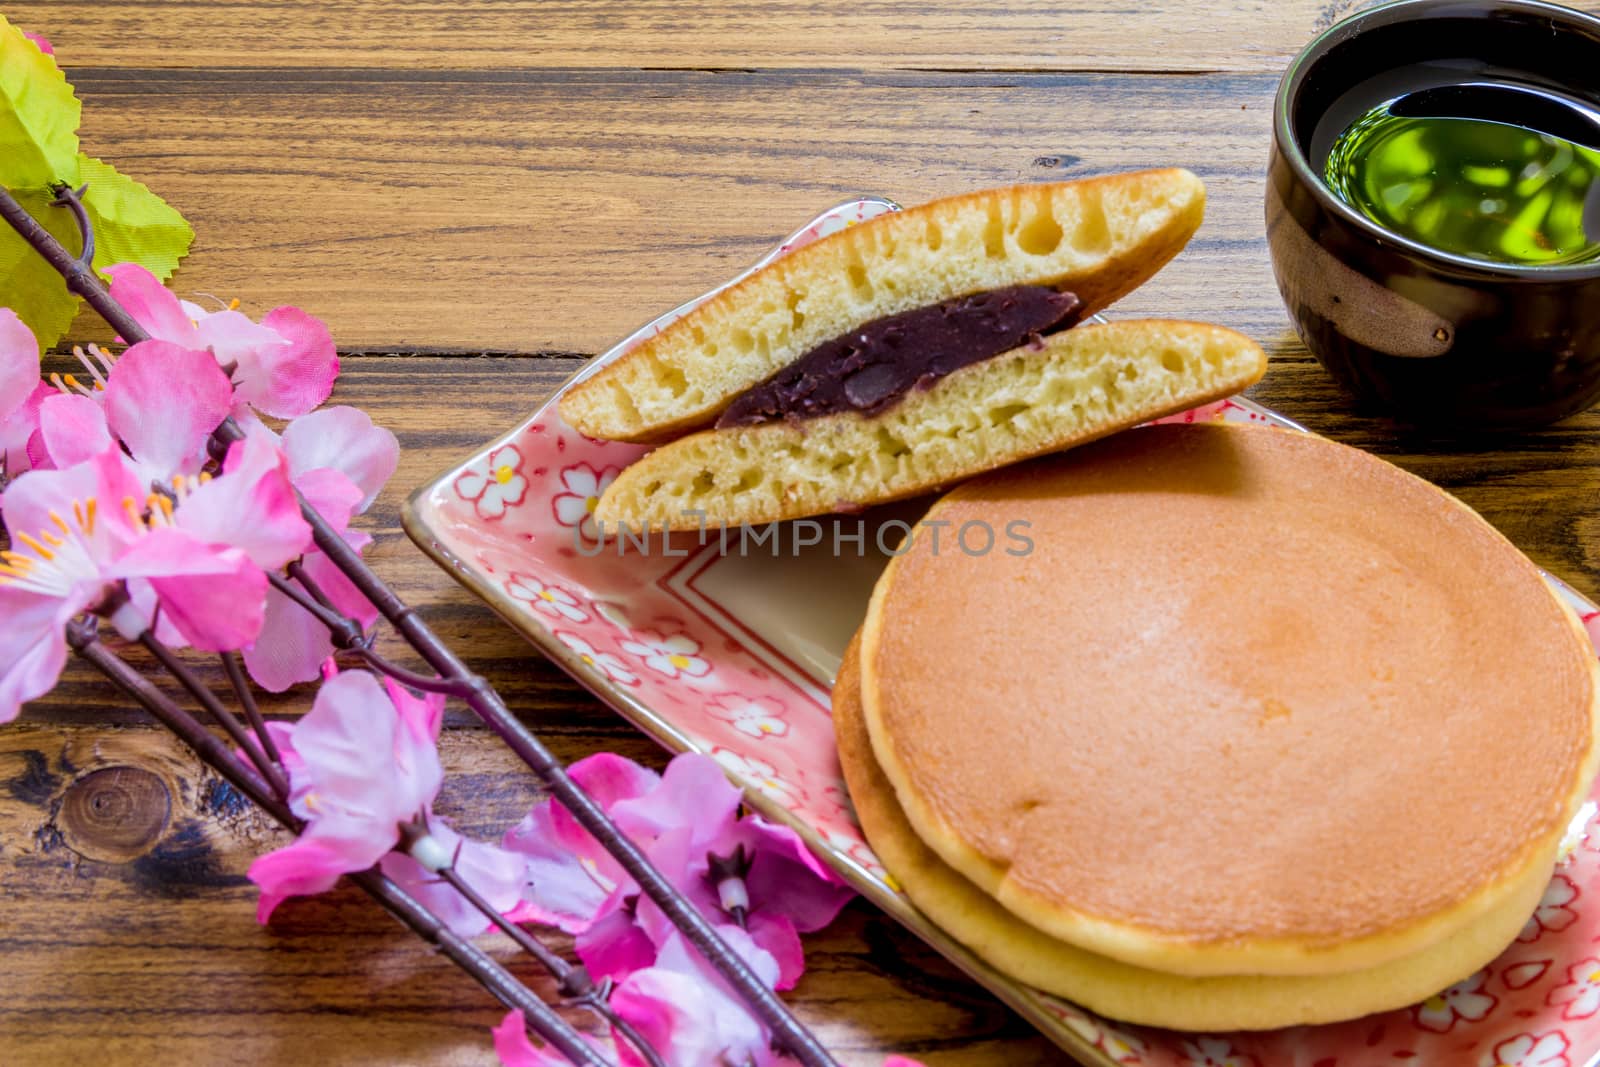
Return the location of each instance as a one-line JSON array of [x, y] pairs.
[[759, 717], [1581, 993], [757, 774], [546, 599], [674, 655], [1533, 1050], [582, 485], [1464, 1001], [1214, 1052], [1553, 914], [494, 484], [612, 666]]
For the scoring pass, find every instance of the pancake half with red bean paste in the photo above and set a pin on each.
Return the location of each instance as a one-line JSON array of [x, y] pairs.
[[904, 354]]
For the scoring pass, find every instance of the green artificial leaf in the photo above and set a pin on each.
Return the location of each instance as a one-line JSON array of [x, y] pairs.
[[31, 287], [39, 152], [131, 224], [38, 116]]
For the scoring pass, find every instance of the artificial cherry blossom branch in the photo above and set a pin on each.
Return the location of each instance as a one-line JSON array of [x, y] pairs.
[[83, 638], [787, 1033]]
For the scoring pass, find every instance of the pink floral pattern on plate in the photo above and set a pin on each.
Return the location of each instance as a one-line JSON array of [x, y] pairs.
[[670, 641]]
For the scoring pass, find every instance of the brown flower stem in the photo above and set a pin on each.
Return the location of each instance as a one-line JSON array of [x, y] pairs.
[[252, 710], [344, 631], [80, 277], [574, 982], [501, 984], [274, 774], [788, 1033]]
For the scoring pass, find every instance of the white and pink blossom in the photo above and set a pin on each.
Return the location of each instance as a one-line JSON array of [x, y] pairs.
[[582, 487], [546, 598], [494, 484], [758, 717], [672, 655]]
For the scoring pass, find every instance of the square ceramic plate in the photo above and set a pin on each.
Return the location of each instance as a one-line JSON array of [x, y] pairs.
[[729, 647]]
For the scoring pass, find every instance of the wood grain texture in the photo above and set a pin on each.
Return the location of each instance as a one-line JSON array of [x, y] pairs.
[[441, 181], [1053, 35], [553, 211]]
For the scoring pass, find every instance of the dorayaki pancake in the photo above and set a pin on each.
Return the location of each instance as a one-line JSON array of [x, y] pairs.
[[1253, 703], [1120, 990], [1097, 238]]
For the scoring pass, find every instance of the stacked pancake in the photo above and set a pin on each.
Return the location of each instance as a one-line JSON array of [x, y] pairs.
[[909, 352], [1262, 731]]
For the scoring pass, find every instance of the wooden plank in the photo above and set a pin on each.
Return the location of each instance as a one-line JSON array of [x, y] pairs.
[[556, 210], [1257, 35]]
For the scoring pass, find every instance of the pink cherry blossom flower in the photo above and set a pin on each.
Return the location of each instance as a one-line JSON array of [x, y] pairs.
[[361, 763], [747, 870], [21, 392], [759, 717], [673, 655], [1533, 1050], [545, 598], [342, 439], [251, 505], [1553, 913], [583, 486], [161, 401], [19, 362], [611, 665], [687, 1013], [1464, 1001], [497, 875], [759, 775], [494, 484], [1581, 993], [570, 874], [79, 536], [680, 819], [283, 366], [511, 1044], [339, 461]]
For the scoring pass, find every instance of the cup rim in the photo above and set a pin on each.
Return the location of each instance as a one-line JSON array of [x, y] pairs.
[[1397, 11]]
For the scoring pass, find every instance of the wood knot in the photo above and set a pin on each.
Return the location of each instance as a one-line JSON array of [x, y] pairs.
[[115, 814]]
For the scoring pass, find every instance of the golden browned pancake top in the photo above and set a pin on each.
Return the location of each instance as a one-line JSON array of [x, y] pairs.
[[1249, 684]]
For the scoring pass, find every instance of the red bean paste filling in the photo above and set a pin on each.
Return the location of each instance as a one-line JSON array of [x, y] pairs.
[[871, 368]]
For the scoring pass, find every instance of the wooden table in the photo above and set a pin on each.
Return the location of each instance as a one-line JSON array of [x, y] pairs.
[[477, 196]]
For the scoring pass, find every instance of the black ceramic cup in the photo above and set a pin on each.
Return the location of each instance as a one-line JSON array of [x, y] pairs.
[[1432, 338]]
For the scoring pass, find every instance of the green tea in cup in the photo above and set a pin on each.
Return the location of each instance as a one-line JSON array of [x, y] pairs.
[[1472, 183]]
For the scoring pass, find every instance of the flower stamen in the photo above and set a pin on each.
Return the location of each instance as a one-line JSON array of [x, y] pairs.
[[59, 560], [97, 370], [39, 549], [68, 385]]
